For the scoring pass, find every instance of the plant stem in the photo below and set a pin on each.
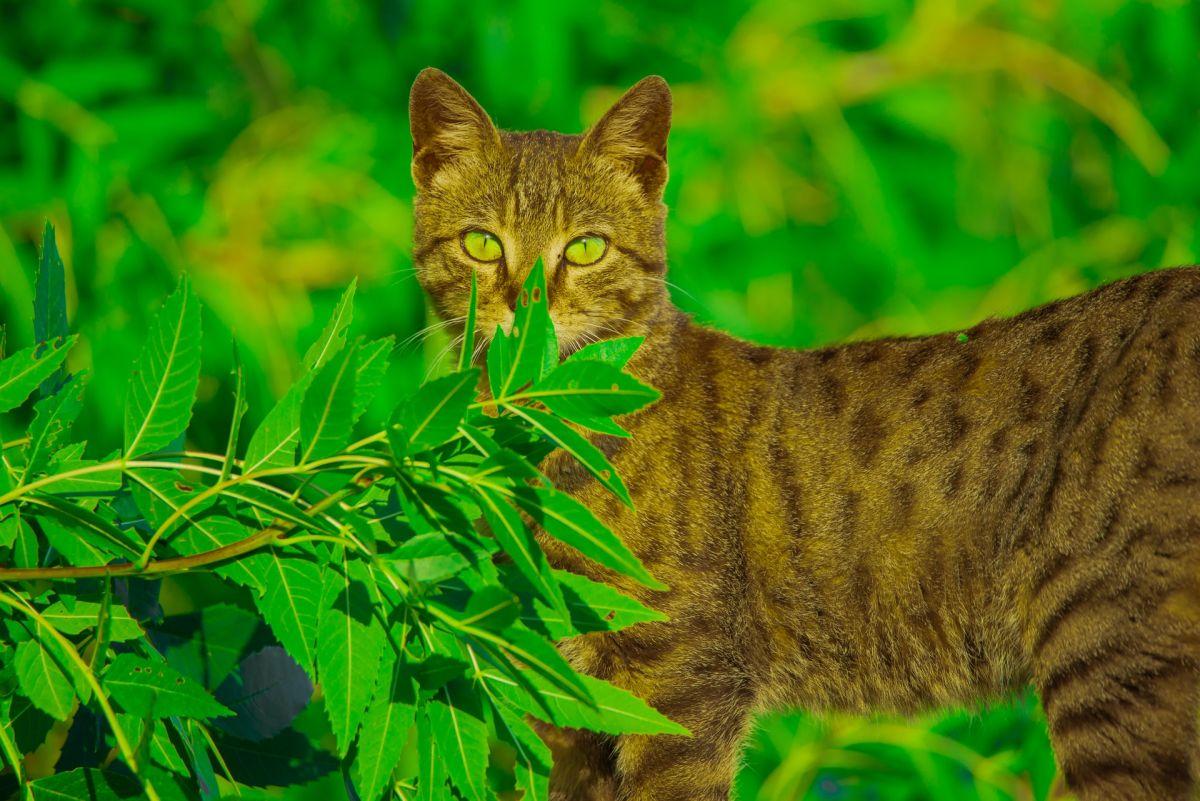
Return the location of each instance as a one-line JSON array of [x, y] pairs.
[[68, 648], [176, 564]]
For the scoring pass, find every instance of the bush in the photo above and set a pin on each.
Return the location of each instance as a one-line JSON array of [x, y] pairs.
[[397, 572]]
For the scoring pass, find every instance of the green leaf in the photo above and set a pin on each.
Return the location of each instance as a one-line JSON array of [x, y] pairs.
[[154, 689], [533, 758], [291, 603], [268, 501], [616, 352], [103, 476], [326, 416], [274, 442], [21, 373], [385, 728], [212, 532], [86, 784], [615, 711], [429, 558], [458, 727], [520, 544], [599, 607], [160, 494], [431, 769], [569, 521], [43, 679], [489, 607], [350, 642], [333, 337], [25, 545], [83, 537], [50, 301], [165, 376], [527, 344], [467, 353], [583, 390], [432, 415], [52, 419], [373, 362], [85, 615], [239, 412], [577, 445]]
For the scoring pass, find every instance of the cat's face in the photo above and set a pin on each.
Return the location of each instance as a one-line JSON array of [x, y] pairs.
[[491, 202]]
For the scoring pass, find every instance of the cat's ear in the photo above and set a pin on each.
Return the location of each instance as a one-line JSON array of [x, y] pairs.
[[634, 133], [446, 124]]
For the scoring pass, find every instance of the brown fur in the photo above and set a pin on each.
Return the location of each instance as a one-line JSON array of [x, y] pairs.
[[884, 526]]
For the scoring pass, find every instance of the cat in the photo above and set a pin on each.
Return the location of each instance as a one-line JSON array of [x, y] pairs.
[[885, 526]]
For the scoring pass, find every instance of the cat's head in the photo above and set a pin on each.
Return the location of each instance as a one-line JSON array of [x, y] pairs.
[[590, 205]]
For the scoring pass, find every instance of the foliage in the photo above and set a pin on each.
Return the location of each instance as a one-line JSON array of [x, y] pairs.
[[397, 572], [839, 169]]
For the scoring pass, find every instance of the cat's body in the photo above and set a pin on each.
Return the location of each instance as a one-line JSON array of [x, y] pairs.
[[884, 526]]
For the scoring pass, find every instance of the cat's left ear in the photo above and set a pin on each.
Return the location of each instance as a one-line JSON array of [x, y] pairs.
[[634, 133], [447, 124]]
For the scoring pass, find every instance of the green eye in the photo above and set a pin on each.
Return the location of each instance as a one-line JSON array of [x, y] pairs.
[[584, 250], [482, 246]]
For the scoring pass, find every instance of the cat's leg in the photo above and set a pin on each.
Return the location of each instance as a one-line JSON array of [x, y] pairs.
[[584, 764], [696, 768], [1117, 665]]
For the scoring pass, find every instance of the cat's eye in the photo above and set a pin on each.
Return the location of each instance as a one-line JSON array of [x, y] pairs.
[[585, 250], [482, 246]]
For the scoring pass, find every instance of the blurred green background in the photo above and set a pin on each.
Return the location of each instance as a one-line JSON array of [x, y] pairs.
[[840, 169]]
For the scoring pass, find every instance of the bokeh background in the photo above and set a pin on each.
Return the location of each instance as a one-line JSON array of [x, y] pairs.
[[840, 169]]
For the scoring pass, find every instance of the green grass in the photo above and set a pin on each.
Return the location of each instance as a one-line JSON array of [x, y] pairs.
[[840, 169]]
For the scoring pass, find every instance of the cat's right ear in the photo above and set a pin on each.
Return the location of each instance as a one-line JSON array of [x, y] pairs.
[[634, 132], [446, 124]]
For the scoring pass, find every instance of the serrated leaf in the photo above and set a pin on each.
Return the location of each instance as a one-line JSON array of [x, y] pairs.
[[326, 416], [160, 494], [267, 691], [431, 769], [52, 419], [572, 523], [350, 643], [85, 615], [239, 412], [291, 603], [154, 689], [616, 352], [615, 711], [50, 302], [488, 607], [467, 353], [212, 532], [598, 607], [373, 362], [432, 415], [102, 475], [520, 544], [333, 337], [584, 390], [577, 446], [458, 728], [274, 442], [43, 679], [82, 536], [86, 784], [165, 376], [533, 758], [21, 373], [524, 353], [384, 728]]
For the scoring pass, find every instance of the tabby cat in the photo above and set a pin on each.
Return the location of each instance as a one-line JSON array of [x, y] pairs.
[[887, 526]]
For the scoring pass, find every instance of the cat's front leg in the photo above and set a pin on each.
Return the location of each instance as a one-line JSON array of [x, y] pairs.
[[584, 764], [696, 768]]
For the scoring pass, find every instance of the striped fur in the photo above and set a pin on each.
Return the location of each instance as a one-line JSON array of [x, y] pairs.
[[894, 525]]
